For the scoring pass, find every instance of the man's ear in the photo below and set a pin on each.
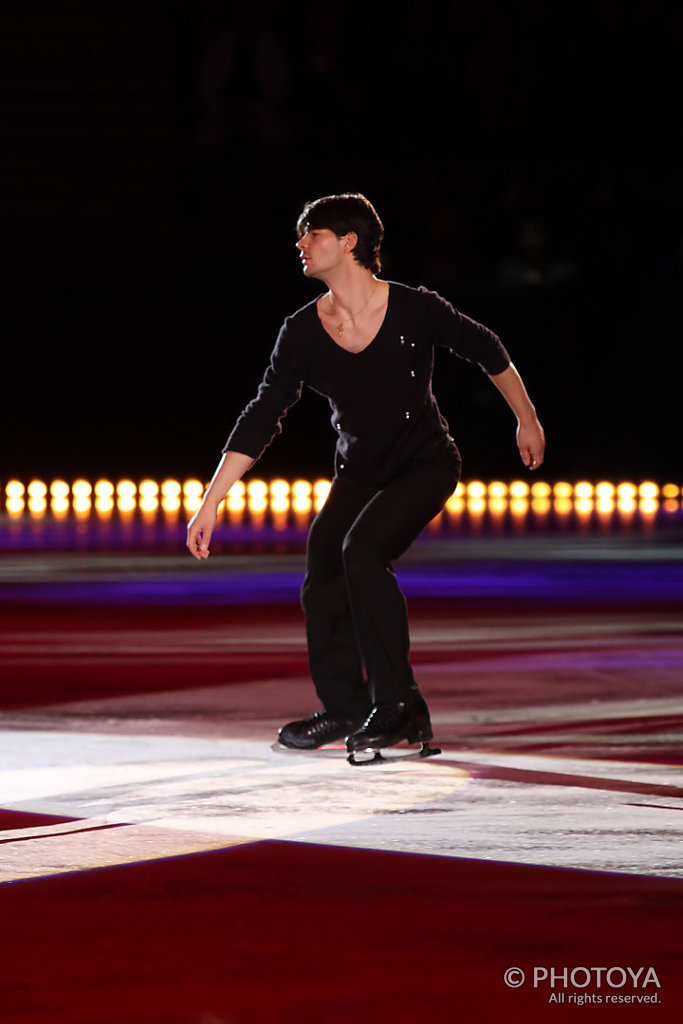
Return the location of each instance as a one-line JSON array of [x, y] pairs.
[[350, 241]]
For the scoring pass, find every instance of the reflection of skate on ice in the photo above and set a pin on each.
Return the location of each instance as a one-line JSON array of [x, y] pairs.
[[387, 725], [366, 756], [331, 751], [371, 756]]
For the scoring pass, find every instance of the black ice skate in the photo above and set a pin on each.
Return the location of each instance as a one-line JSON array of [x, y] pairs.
[[314, 732], [387, 725]]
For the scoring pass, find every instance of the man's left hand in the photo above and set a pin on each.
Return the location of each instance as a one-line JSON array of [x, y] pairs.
[[531, 444]]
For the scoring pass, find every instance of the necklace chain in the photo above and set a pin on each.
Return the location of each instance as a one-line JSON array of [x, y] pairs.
[[340, 326]]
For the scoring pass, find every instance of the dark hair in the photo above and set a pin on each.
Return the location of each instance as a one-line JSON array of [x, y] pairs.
[[350, 211]]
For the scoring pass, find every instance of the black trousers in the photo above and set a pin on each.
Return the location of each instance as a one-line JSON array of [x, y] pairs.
[[356, 616]]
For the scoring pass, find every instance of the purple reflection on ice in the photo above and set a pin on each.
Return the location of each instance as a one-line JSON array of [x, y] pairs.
[[549, 582]]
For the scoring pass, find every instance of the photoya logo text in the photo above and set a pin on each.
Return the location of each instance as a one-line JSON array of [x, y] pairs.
[[583, 977], [597, 977]]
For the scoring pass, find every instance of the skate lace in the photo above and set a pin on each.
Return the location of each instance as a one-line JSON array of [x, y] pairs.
[[316, 721], [383, 717], [320, 723]]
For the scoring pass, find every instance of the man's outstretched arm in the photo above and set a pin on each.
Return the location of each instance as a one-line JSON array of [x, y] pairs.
[[230, 469], [530, 436]]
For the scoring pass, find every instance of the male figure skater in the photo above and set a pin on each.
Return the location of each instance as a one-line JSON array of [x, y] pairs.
[[368, 345]]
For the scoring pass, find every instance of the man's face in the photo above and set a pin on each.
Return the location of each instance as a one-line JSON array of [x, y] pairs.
[[321, 251]]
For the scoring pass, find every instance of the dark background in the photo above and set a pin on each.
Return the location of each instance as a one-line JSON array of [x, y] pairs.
[[523, 157]]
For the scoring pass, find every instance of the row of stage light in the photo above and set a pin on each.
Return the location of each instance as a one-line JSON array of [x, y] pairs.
[[303, 497]]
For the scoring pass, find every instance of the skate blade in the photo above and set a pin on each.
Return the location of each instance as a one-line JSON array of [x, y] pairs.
[[370, 756], [327, 752]]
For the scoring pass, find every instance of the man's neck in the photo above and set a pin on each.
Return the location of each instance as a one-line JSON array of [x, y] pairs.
[[350, 289]]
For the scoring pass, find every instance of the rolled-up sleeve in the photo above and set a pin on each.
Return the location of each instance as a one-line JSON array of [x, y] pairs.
[[465, 337], [261, 420]]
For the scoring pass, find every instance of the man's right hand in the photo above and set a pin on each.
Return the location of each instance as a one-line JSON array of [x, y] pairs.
[[199, 530]]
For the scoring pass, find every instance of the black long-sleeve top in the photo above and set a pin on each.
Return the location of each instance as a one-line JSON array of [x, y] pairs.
[[383, 407]]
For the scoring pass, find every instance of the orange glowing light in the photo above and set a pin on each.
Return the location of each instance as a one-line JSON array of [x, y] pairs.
[[497, 489], [15, 507], [301, 489], [626, 505], [476, 506], [648, 490], [81, 489], [302, 496], [59, 490], [583, 490], [519, 506], [257, 489], [126, 490], [59, 507], [82, 507], [193, 489], [148, 489], [104, 489], [171, 489], [605, 490], [279, 489], [519, 489], [37, 506], [37, 490], [238, 491], [605, 506], [541, 506], [104, 505], [257, 503], [562, 506], [321, 488], [475, 489], [14, 490], [455, 503]]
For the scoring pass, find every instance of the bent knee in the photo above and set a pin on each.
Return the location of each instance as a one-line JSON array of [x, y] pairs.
[[358, 552], [323, 595]]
